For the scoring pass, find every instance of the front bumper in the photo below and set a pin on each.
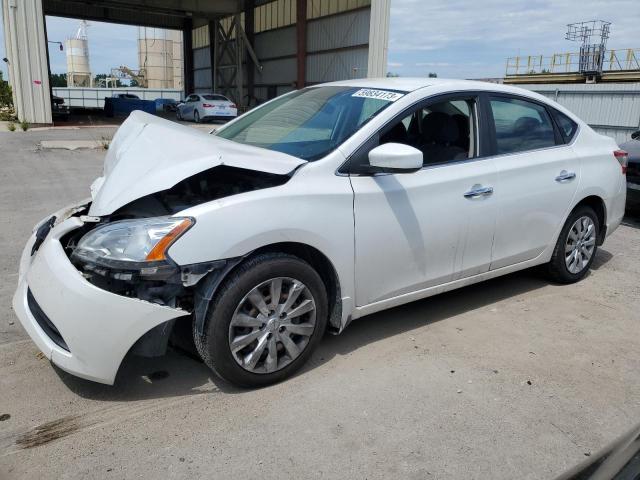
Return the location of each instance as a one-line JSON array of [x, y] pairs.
[[98, 327]]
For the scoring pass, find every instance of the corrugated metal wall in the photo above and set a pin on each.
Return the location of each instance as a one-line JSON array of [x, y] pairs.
[[339, 33], [612, 109]]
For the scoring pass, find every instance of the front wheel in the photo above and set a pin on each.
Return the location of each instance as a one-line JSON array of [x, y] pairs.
[[576, 246], [265, 321]]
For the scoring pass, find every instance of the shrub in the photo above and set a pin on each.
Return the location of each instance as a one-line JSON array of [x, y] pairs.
[[11, 127], [24, 125]]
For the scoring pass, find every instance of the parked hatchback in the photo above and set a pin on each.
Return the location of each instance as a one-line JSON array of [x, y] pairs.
[[205, 107], [317, 208]]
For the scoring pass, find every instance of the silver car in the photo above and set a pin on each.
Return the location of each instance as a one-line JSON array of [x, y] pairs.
[[201, 107]]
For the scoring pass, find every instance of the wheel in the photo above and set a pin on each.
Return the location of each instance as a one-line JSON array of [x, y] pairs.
[[196, 116], [576, 247], [265, 320], [178, 115]]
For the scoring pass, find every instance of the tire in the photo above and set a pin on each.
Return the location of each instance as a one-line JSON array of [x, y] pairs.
[[231, 303], [565, 265], [196, 116]]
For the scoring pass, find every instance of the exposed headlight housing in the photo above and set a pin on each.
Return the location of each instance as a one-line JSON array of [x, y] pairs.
[[131, 244]]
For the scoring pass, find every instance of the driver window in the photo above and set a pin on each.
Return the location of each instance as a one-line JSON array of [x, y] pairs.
[[444, 131]]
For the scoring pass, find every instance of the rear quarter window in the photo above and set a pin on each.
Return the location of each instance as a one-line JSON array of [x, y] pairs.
[[568, 127]]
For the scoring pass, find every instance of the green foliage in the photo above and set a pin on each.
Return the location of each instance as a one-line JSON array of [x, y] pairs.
[[24, 125], [6, 99], [11, 126], [58, 80], [392, 75], [433, 75]]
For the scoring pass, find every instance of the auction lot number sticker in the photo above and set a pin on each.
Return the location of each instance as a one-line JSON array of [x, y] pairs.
[[378, 94]]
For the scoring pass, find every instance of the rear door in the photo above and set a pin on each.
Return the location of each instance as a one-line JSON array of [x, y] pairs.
[[538, 175]]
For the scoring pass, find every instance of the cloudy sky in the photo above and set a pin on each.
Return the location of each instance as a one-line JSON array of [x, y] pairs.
[[454, 38]]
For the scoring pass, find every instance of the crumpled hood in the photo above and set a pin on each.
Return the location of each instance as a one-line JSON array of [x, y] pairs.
[[149, 154]]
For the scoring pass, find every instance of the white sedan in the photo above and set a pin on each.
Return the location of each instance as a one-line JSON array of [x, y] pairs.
[[201, 107], [317, 208]]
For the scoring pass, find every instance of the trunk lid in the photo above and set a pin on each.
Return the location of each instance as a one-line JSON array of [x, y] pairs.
[[149, 154]]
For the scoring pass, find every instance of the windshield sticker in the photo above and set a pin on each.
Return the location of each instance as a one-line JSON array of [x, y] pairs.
[[378, 94]]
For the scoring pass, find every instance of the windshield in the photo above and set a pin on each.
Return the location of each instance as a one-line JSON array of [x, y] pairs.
[[310, 123]]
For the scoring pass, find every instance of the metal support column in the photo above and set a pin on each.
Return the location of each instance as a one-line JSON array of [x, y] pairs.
[[301, 42], [187, 42], [250, 36]]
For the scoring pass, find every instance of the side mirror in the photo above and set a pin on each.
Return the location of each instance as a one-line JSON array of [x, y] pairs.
[[636, 135], [396, 158]]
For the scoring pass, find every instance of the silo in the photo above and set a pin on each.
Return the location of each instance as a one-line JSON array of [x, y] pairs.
[[160, 57], [78, 67]]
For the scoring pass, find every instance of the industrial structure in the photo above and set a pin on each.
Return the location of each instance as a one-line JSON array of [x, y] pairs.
[[78, 65], [593, 63], [160, 57], [249, 50]]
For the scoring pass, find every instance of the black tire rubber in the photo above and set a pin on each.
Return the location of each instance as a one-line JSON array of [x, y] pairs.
[[556, 268], [213, 345]]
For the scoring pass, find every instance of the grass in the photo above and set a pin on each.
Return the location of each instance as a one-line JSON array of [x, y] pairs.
[[11, 126]]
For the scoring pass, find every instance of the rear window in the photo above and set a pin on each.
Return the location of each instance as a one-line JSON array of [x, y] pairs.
[[218, 98], [568, 127]]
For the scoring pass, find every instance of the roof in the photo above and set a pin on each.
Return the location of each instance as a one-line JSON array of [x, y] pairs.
[[410, 84]]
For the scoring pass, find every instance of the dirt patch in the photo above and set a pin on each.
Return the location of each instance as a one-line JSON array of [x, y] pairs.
[[47, 432]]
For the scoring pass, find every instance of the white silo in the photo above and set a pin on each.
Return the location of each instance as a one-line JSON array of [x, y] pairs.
[[160, 57], [78, 67]]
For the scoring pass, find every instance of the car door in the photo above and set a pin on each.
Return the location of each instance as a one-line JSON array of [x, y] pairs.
[[417, 230], [188, 108], [538, 175]]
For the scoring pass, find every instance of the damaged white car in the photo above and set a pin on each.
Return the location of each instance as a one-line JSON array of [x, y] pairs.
[[317, 208]]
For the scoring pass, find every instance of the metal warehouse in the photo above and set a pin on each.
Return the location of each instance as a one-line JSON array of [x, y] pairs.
[[245, 49]]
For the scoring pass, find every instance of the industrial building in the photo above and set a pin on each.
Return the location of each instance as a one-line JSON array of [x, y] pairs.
[[248, 50]]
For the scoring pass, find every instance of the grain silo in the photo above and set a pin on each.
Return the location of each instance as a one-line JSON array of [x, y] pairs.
[[160, 57], [78, 67]]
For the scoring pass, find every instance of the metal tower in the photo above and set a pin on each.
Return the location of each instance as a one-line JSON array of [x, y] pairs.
[[593, 36]]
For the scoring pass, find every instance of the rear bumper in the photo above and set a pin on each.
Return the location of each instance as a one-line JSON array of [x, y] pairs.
[[216, 114], [97, 327]]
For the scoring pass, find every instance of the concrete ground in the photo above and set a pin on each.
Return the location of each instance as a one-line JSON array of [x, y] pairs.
[[513, 378]]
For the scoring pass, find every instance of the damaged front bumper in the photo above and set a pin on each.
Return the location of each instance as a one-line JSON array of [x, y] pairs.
[[83, 329]]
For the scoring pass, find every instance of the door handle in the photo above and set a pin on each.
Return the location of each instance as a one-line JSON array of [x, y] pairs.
[[565, 176], [478, 191]]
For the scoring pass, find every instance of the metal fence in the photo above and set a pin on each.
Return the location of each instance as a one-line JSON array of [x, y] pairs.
[[612, 109], [613, 61], [78, 97]]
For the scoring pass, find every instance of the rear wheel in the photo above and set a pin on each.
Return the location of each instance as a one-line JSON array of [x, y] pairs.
[[196, 116], [576, 246], [265, 321]]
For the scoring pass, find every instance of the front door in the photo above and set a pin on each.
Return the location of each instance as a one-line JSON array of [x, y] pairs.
[[418, 230]]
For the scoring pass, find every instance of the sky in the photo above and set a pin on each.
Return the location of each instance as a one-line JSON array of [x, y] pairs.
[[454, 38]]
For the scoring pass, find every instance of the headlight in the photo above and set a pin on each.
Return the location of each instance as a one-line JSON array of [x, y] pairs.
[[131, 241]]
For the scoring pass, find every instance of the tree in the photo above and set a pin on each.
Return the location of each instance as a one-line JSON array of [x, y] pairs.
[[6, 99], [58, 80], [433, 75], [392, 75]]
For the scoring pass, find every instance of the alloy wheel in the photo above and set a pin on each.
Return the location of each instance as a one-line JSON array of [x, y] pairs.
[[580, 244], [272, 325]]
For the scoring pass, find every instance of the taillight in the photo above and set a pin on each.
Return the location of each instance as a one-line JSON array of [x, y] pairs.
[[207, 105], [623, 158]]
